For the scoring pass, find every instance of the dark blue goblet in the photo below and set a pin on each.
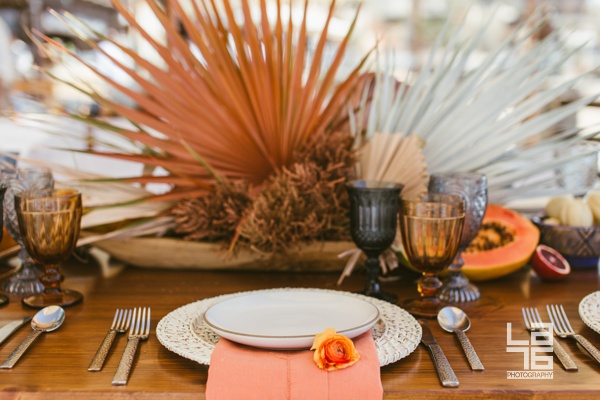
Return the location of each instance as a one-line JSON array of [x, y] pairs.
[[374, 209]]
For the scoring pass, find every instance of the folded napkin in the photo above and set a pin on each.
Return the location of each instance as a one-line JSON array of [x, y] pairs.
[[243, 372]]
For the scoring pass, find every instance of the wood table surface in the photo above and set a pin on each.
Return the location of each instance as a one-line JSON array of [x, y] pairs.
[[56, 365]]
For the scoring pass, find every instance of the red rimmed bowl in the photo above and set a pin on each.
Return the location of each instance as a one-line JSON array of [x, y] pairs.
[[579, 245]]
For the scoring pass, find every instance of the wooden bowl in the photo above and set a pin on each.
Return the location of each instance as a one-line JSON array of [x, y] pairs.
[[579, 245]]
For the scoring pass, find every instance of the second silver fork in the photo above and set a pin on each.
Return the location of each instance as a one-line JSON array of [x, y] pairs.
[[533, 323], [140, 330], [120, 325], [563, 328]]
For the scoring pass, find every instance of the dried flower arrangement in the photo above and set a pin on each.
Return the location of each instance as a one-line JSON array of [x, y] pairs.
[[247, 129], [259, 133]]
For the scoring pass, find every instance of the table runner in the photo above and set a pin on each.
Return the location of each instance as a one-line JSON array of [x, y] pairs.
[[242, 372]]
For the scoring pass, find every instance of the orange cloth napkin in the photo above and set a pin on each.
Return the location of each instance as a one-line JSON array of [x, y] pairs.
[[243, 372]]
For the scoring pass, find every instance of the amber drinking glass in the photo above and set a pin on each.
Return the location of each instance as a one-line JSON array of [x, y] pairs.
[[50, 228], [431, 228]]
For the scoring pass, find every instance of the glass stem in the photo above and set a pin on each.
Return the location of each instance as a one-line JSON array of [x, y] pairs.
[[51, 279], [372, 268], [428, 286]]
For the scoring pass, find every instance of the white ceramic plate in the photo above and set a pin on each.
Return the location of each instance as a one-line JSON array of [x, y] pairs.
[[184, 331], [289, 319], [589, 311]]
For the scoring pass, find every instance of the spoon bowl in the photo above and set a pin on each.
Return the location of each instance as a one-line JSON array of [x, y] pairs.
[[452, 318], [455, 320], [48, 319]]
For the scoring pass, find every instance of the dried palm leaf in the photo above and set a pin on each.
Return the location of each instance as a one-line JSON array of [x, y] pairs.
[[241, 108], [486, 118], [396, 158]]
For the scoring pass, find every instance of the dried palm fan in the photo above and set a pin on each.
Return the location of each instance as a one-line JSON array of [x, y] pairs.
[[484, 119], [238, 96], [395, 158]]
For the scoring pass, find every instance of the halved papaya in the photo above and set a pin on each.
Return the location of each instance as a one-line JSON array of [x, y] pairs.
[[505, 243]]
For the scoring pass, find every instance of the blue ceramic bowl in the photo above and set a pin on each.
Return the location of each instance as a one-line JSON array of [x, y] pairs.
[[580, 246]]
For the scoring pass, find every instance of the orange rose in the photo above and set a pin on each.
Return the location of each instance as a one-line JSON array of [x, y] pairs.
[[333, 351]]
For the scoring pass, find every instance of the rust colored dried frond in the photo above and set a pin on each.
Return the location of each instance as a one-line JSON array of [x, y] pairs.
[[215, 216]]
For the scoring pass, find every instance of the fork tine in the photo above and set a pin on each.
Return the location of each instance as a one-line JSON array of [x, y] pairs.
[[134, 323], [566, 319], [526, 318], [126, 320], [142, 321], [537, 317], [532, 319], [121, 313], [148, 324], [555, 319], [114, 323]]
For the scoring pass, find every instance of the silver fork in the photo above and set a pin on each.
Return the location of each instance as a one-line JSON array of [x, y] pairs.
[[140, 330], [533, 323], [120, 324], [563, 328]]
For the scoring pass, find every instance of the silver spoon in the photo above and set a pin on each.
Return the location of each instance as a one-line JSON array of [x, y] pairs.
[[455, 320], [46, 320]]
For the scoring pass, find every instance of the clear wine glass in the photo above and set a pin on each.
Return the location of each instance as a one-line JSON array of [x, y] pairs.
[[373, 221], [50, 228], [472, 187], [431, 227], [33, 179]]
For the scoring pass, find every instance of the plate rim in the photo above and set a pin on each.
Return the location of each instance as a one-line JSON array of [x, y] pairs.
[[591, 299], [177, 333], [369, 323]]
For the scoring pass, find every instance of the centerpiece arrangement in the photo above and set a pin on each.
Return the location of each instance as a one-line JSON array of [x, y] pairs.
[[259, 127]]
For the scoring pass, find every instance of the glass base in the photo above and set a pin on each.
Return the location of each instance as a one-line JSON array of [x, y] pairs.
[[64, 299], [24, 282], [426, 308], [458, 289], [385, 296]]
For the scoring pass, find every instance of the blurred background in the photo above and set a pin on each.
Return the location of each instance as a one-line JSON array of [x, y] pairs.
[[404, 30]]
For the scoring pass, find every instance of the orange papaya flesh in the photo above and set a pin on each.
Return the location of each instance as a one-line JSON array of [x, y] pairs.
[[504, 244]]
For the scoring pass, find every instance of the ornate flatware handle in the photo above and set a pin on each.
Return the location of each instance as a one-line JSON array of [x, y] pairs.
[[21, 349], [563, 356], [445, 372], [126, 362], [594, 352], [100, 356], [470, 352]]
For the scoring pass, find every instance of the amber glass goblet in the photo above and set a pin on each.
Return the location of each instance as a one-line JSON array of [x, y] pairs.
[[373, 221], [50, 228], [431, 228]]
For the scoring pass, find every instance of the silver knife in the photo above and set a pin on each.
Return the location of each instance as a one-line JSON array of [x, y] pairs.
[[445, 372], [11, 327]]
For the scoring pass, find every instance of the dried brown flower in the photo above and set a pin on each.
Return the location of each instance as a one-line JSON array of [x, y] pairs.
[[306, 201], [215, 216]]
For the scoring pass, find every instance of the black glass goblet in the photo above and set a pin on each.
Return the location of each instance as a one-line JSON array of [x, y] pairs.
[[374, 209]]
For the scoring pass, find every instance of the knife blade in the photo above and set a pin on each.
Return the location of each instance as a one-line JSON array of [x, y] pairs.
[[11, 327], [442, 366]]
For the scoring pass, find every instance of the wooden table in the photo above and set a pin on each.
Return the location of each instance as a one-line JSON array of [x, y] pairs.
[[56, 366]]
